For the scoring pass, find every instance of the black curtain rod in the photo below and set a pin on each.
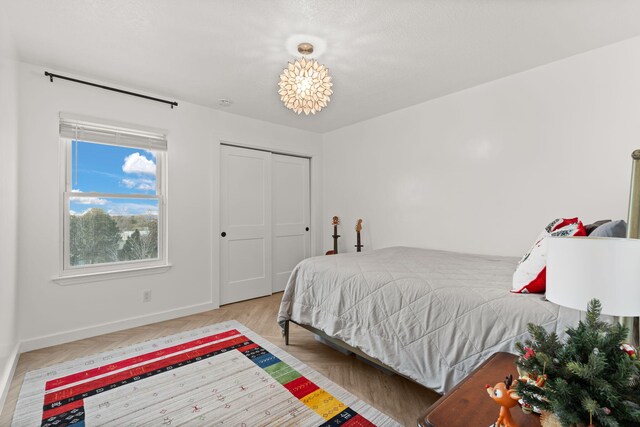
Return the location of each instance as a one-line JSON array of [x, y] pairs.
[[126, 92]]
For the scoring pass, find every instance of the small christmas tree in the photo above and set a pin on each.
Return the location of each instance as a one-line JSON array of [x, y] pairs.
[[592, 379]]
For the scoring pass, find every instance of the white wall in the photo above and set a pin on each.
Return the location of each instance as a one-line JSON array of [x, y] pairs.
[[8, 219], [51, 313], [485, 169]]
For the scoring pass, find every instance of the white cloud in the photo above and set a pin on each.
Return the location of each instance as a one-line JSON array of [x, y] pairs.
[[143, 184], [137, 163], [88, 200], [74, 213], [146, 186], [132, 209]]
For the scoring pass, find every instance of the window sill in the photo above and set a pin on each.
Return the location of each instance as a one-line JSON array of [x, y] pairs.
[[81, 278]]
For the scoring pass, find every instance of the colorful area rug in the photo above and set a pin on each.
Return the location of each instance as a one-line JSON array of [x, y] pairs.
[[220, 375]]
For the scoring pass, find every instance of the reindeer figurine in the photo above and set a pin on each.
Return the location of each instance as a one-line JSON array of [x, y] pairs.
[[505, 396]]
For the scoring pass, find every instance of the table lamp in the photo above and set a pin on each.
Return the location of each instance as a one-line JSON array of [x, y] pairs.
[[582, 268]]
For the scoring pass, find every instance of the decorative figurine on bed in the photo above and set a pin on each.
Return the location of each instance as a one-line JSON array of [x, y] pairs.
[[335, 222], [507, 398]]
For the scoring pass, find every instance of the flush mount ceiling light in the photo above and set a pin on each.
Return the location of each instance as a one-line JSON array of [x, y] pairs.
[[305, 85]]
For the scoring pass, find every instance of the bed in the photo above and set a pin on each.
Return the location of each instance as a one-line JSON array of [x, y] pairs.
[[431, 316]]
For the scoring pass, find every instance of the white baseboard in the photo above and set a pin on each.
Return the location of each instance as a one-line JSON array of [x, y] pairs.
[[7, 374], [105, 328]]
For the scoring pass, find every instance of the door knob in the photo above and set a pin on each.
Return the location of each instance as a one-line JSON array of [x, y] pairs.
[[306, 229], [223, 234]]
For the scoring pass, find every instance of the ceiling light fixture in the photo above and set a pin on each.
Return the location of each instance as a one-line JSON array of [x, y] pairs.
[[305, 85]]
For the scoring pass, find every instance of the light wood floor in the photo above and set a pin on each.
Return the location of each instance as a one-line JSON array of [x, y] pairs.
[[396, 396]]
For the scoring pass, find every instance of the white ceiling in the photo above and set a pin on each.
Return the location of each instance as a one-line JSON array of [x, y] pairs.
[[383, 54]]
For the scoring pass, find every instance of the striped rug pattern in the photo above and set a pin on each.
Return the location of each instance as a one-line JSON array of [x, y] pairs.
[[220, 375]]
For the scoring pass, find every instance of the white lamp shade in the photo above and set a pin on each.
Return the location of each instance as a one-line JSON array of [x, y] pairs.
[[582, 268]]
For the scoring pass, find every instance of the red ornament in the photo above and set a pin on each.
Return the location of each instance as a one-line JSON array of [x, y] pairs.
[[541, 380], [630, 350], [529, 353]]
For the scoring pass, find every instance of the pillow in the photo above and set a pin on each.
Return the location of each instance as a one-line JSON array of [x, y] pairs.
[[611, 229], [589, 228], [531, 274]]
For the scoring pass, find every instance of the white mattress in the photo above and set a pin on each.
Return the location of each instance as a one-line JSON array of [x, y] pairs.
[[433, 316]]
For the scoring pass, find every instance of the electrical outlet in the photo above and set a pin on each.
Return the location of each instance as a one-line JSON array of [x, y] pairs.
[[146, 295]]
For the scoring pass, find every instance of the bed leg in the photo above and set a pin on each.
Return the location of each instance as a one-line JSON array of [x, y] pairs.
[[286, 332]]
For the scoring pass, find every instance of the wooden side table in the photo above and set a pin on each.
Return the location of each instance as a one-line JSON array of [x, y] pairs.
[[468, 403]]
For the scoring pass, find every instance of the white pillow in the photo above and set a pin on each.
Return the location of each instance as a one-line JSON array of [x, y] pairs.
[[531, 274]]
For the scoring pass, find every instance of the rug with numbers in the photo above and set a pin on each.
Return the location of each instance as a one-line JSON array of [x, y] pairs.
[[220, 375]]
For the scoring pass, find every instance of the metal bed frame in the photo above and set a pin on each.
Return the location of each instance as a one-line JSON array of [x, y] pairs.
[[344, 346]]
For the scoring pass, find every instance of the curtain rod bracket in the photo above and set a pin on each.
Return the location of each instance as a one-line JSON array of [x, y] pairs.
[[113, 89]]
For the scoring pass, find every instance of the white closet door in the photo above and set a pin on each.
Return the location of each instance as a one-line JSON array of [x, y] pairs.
[[291, 217], [245, 219]]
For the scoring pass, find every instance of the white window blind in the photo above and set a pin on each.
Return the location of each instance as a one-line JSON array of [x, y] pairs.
[[83, 130]]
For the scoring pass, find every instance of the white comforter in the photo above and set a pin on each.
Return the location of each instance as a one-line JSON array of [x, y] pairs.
[[433, 316]]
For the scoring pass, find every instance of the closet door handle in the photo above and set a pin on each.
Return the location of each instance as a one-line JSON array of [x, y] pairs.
[[223, 234], [306, 229]]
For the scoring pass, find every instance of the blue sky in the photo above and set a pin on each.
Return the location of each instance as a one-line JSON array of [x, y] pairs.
[[111, 169]]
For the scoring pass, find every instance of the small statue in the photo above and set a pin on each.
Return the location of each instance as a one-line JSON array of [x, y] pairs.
[[504, 395]]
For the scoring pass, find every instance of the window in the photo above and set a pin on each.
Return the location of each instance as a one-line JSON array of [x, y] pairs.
[[113, 198]]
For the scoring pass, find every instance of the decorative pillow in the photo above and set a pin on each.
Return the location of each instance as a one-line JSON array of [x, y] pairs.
[[589, 228], [531, 274], [611, 229]]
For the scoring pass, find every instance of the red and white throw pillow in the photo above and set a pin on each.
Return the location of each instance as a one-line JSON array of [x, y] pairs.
[[531, 274]]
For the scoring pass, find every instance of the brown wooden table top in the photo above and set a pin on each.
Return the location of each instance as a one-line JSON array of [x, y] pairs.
[[468, 403]]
